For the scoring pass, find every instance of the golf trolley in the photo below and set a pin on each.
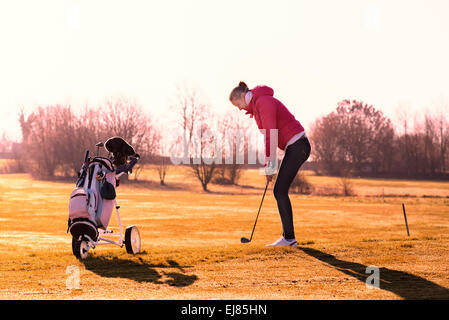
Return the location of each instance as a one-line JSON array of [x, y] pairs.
[[93, 200]]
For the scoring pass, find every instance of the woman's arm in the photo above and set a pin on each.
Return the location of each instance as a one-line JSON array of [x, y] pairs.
[[267, 110]]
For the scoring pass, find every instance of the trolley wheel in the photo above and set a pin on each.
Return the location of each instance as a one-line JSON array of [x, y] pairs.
[[132, 240], [79, 248]]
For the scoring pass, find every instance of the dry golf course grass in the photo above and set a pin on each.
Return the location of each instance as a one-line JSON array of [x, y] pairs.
[[192, 250]]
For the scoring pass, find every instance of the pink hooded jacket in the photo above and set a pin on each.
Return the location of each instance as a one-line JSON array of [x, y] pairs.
[[270, 113]]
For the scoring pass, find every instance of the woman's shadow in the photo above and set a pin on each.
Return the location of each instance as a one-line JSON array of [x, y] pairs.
[[139, 271], [403, 284]]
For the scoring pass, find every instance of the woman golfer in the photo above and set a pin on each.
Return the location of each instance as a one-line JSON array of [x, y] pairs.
[[271, 114]]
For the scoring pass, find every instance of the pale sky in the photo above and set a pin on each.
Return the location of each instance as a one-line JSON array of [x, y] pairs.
[[312, 53]]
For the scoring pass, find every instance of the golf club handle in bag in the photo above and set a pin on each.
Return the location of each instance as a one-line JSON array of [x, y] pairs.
[[86, 157], [83, 171], [127, 168]]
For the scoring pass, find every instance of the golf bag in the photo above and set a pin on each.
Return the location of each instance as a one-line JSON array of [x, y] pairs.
[[93, 200]]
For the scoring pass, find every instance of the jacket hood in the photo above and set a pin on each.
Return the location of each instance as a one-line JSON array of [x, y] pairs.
[[258, 91]]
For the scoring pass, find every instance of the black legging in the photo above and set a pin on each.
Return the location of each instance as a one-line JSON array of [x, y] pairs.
[[295, 155]]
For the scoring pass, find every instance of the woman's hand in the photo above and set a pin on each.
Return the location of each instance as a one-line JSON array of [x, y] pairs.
[[270, 170]]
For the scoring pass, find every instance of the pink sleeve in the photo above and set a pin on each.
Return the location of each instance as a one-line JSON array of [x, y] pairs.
[[267, 113]]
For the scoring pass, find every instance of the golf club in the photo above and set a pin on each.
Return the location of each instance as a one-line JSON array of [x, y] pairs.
[[99, 145], [246, 240]]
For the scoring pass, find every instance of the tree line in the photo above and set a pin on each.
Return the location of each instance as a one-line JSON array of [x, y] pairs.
[[356, 139], [55, 138]]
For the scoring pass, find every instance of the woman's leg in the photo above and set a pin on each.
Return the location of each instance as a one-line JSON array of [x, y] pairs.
[[295, 155]]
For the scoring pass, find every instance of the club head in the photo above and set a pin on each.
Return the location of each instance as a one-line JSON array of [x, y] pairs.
[[244, 240]]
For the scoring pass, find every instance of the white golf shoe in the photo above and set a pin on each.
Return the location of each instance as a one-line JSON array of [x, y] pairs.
[[283, 242]]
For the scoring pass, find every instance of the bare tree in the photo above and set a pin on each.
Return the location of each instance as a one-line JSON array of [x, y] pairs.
[[403, 139], [234, 133], [328, 149], [39, 139], [203, 162], [5, 143], [356, 137], [125, 118], [55, 138], [301, 184], [367, 136], [430, 146], [442, 131], [195, 119], [161, 159], [346, 187], [9, 150]]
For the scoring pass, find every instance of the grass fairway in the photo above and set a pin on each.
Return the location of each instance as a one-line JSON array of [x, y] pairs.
[[192, 250]]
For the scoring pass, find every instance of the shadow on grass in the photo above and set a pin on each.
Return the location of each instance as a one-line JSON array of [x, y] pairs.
[[236, 189], [155, 185], [152, 185], [140, 271], [229, 189], [403, 284]]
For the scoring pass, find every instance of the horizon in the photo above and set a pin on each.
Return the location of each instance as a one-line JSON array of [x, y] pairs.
[[392, 55]]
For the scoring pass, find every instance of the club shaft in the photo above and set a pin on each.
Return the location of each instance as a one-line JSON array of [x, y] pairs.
[[257, 217]]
